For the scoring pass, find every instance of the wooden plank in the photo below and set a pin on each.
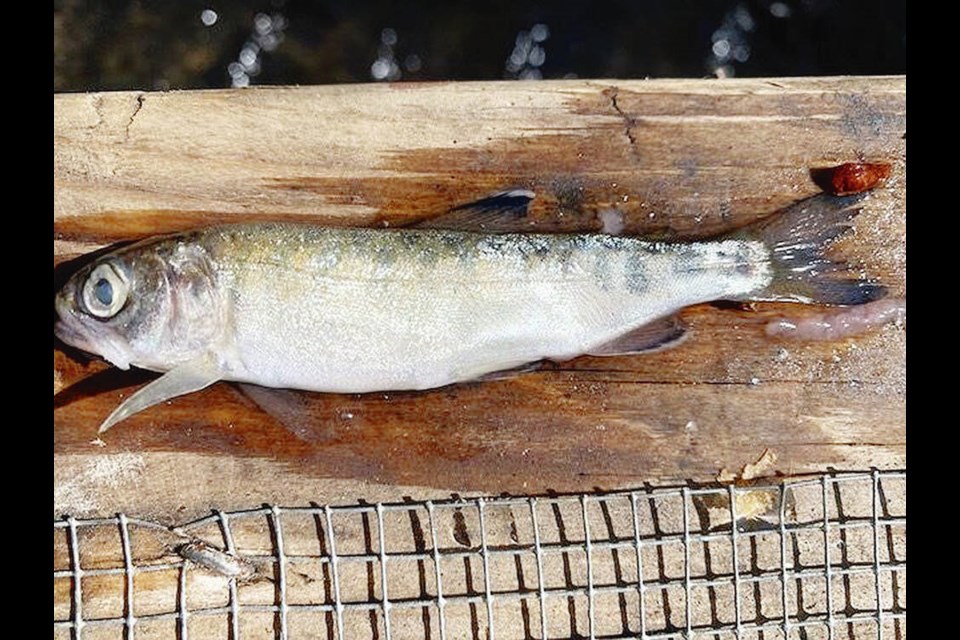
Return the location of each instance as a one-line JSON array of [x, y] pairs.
[[678, 158]]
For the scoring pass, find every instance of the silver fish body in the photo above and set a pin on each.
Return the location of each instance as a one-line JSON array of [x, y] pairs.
[[361, 310], [358, 310]]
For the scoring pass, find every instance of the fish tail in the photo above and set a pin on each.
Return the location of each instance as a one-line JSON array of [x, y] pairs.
[[798, 238]]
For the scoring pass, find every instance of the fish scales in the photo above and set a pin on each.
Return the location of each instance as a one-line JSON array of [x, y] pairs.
[[356, 310]]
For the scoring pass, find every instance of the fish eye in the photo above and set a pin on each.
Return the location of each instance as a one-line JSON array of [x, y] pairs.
[[104, 292]]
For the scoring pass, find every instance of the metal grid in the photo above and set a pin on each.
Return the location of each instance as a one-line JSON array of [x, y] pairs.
[[823, 557]]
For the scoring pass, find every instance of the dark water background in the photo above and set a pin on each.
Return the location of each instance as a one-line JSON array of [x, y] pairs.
[[171, 44]]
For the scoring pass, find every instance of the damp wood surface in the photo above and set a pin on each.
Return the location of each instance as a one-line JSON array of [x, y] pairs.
[[680, 159]]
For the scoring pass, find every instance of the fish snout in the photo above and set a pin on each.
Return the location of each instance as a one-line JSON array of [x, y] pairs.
[[63, 312], [66, 324]]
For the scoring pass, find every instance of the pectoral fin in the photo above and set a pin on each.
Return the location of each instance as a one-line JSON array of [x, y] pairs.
[[655, 336], [186, 378]]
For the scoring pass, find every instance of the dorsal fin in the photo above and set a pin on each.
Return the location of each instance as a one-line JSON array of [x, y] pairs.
[[501, 212]]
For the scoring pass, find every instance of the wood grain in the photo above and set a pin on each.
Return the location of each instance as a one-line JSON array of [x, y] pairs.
[[679, 159]]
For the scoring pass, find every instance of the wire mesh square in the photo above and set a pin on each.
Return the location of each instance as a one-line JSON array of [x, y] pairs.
[[823, 557], [155, 592]]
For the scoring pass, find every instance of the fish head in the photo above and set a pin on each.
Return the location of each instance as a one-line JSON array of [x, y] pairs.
[[152, 305]]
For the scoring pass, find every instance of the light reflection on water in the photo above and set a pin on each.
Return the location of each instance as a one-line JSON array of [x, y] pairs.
[[386, 68], [780, 10], [731, 43], [208, 17], [528, 54], [266, 36], [147, 44]]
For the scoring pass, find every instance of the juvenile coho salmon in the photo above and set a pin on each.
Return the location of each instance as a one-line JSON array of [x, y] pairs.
[[357, 310]]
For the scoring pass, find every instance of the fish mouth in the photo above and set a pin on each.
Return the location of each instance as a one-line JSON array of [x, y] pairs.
[[65, 318], [66, 330], [70, 329], [66, 333], [106, 346]]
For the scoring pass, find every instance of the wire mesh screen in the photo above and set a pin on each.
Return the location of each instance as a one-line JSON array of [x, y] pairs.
[[822, 557]]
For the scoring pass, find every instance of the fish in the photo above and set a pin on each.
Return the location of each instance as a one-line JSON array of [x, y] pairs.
[[355, 310], [226, 564]]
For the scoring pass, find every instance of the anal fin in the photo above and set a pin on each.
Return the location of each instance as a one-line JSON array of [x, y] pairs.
[[512, 372], [661, 334]]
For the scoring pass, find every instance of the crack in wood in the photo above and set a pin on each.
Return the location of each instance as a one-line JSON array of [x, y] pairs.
[[98, 109], [629, 121], [141, 98]]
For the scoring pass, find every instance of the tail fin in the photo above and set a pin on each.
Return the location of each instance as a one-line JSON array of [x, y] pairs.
[[798, 237]]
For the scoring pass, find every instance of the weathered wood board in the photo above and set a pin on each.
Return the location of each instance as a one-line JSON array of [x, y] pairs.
[[678, 158]]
